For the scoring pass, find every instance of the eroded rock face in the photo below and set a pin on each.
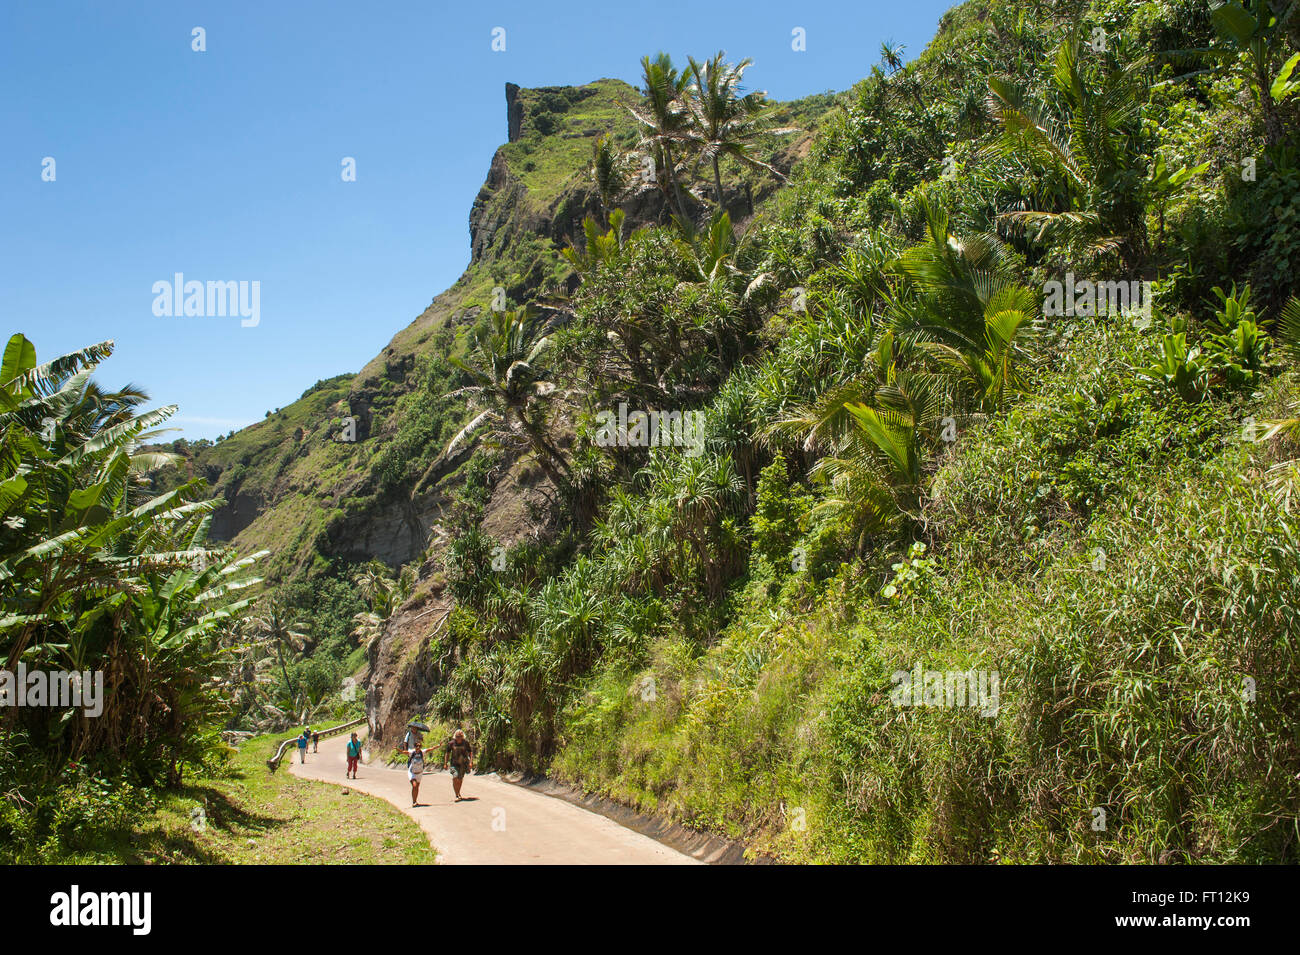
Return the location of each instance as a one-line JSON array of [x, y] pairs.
[[240, 510], [514, 113], [495, 205], [395, 533], [403, 672]]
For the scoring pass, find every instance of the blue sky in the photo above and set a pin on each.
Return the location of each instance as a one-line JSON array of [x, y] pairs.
[[225, 164]]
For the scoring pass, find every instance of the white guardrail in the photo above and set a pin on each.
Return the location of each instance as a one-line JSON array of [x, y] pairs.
[[274, 761]]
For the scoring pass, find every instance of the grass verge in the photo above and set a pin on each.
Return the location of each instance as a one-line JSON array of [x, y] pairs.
[[252, 816]]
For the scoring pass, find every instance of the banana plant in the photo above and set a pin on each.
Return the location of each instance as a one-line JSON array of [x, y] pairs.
[[1284, 87], [99, 573], [1253, 37]]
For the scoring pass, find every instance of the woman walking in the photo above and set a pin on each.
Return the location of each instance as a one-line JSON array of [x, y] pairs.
[[459, 754], [354, 756], [414, 770], [414, 746]]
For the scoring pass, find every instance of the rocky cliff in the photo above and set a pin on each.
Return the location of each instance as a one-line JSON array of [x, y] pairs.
[[293, 483]]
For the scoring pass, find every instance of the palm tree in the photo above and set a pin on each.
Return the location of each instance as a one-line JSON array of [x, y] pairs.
[[956, 302], [507, 378], [607, 173], [951, 337], [724, 122], [366, 626], [244, 681], [891, 54], [382, 594], [665, 116], [1095, 197], [377, 589], [992, 368], [278, 627], [712, 258], [598, 249]]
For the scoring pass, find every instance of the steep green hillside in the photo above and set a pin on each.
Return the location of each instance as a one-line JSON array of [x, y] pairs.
[[912, 465], [1124, 575]]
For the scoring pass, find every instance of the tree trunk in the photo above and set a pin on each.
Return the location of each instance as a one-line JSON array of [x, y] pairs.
[[1272, 122], [548, 458], [288, 685], [672, 181]]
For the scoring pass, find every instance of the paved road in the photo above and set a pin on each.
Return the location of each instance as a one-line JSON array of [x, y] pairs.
[[498, 824]]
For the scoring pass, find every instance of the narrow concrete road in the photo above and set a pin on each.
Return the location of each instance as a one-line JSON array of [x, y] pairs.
[[497, 823]]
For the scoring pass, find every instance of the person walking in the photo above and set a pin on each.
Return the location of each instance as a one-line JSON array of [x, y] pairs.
[[413, 743], [459, 755], [354, 756], [414, 770], [302, 745], [315, 742]]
